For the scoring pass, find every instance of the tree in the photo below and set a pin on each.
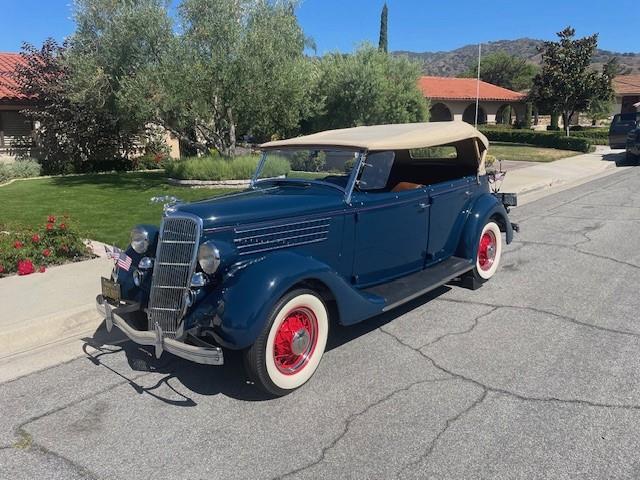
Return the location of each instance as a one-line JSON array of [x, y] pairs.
[[504, 70], [366, 88], [72, 137], [114, 41], [566, 83], [237, 66], [383, 42]]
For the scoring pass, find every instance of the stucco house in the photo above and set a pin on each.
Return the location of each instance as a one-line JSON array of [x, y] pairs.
[[455, 99], [13, 125], [627, 93]]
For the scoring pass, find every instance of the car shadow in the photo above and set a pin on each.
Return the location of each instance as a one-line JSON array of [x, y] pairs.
[[620, 159], [229, 379]]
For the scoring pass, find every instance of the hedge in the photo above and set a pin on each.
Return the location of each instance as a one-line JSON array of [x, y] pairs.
[[216, 168], [539, 139]]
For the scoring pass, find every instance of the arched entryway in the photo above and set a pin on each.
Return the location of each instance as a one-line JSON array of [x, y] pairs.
[[440, 113], [469, 115], [505, 115]]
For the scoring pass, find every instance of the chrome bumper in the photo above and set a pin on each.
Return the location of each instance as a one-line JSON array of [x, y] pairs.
[[204, 355]]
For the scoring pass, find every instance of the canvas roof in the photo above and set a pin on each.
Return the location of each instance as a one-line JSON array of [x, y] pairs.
[[404, 136]]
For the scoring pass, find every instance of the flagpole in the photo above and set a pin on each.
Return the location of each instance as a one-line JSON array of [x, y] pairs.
[[478, 84]]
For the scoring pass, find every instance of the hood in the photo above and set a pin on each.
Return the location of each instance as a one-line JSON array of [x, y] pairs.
[[263, 204]]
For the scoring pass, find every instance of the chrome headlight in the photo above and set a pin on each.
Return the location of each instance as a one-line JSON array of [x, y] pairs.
[[209, 258], [140, 239]]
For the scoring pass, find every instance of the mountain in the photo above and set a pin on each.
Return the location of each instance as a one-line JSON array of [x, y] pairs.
[[453, 63]]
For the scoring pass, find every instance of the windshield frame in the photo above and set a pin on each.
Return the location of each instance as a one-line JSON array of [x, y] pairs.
[[351, 181]]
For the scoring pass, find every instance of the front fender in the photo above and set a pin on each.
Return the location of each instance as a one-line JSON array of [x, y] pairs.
[[484, 208], [248, 294]]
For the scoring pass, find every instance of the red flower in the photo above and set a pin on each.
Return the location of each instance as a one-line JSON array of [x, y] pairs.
[[25, 267], [51, 219], [42, 269], [35, 238], [18, 244], [64, 248], [46, 252], [1, 269], [62, 226], [49, 226]]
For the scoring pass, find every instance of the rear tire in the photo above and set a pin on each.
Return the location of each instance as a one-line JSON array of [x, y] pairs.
[[288, 351], [488, 256]]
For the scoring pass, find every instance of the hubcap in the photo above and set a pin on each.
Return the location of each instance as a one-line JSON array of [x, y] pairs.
[[295, 341], [487, 250]]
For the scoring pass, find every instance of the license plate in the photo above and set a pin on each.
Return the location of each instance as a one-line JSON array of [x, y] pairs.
[[110, 289]]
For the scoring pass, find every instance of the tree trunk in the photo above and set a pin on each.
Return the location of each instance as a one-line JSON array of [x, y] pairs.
[[232, 133]]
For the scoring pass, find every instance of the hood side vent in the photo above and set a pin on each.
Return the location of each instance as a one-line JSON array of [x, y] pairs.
[[273, 237]]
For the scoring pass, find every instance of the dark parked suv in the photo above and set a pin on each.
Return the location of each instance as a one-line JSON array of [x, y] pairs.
[[621, 125]]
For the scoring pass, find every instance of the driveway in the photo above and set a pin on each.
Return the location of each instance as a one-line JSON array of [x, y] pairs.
[[535, 375]]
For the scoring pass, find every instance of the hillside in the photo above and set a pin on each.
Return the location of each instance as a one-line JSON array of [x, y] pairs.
[[450, 64]]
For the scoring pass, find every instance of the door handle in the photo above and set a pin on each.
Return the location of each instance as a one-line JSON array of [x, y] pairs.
[[423, 206]]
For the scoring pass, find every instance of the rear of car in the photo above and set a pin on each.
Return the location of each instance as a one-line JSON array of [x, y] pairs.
[[633, 145], [621, 125]]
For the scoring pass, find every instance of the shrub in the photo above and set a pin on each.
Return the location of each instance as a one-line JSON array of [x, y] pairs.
[[19, 169], [216, 168], [24, 252], [539, 139]]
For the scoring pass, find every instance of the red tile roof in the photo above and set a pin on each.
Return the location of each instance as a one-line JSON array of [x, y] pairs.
[[448, 88], [9, 91], [627, 84]]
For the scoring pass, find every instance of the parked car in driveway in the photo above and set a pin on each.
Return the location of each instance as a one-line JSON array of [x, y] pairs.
[[621, 125], [362, 220], [633, 145]]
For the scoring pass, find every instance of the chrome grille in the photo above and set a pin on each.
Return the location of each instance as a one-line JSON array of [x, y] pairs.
[[263, 239], [174, 266]]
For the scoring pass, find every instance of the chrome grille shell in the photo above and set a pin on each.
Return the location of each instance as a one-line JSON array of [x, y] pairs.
[[174, 266], [273, 237]]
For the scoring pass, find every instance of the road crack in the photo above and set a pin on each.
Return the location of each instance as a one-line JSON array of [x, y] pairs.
[[352, 418], [463, 332]]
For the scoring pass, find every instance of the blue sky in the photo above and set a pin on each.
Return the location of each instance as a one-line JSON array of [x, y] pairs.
[[417, 25]]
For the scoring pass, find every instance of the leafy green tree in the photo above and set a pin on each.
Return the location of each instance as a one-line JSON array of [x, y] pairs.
[[237, 67], [504, 70], [566, 83], [366, 88], [383, 43], [71, 137], [114, 41]]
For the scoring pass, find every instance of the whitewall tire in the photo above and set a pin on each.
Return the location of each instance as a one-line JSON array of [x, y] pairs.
[[288, 351], [489, 251]]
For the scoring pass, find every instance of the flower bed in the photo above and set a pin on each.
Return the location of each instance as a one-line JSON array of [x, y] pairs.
[[26, 252]]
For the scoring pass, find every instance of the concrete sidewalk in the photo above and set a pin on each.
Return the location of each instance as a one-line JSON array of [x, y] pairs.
[[541, 179], [44, 317]]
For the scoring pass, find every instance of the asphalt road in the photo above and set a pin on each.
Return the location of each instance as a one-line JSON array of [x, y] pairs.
[[535, 375]]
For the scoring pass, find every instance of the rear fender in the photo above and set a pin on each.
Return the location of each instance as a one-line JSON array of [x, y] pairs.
[[250, 290], [483, 209]]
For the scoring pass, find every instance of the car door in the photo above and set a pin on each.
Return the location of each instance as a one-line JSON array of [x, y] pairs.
[[448, 201], [390, 231]]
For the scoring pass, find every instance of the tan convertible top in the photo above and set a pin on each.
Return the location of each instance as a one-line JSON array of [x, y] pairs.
[[406, 136]]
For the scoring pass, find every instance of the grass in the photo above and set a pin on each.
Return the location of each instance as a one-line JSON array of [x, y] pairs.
[[517, 152], [104, 207]]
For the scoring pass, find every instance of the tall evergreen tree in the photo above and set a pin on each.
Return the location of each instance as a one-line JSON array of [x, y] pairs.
[[383, 44]]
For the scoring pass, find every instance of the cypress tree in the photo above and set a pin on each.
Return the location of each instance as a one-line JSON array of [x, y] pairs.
[[383, 44]]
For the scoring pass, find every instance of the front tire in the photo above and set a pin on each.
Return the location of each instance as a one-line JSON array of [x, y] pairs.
[[288, 351]]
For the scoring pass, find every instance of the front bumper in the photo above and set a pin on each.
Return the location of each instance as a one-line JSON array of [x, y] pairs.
[[197, 354]]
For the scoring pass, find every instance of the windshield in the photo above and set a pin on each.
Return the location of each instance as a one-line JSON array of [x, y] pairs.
[[317, 165]]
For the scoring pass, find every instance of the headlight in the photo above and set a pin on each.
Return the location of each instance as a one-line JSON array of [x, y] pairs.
[[209, 258], [140, 239]]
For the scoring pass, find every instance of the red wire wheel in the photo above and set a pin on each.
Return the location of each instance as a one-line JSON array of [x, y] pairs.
[[295, 341]]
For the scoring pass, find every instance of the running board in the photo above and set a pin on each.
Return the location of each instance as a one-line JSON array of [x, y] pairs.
[[407, 288]]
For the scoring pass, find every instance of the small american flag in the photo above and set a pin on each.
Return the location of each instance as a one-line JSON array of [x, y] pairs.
[[124, 261], [113, 254]]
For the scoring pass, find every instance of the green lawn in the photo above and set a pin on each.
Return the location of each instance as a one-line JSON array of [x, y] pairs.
[[518, 152], [104, 207]]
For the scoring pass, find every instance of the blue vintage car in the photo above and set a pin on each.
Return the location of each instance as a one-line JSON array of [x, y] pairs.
[[336, 227]]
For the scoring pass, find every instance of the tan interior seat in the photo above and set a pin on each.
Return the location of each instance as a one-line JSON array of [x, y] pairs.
[[402, 186]]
